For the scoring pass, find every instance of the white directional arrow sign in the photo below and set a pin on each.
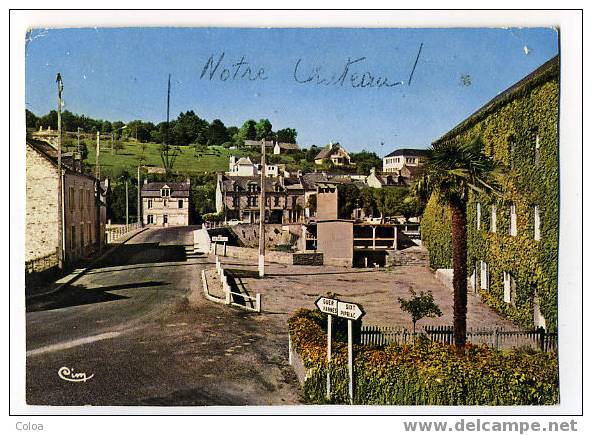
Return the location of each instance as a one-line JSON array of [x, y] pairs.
[[349, 311], [327, 305]]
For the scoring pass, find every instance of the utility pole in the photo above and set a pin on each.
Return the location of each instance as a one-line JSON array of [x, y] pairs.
[[262, 214], [126, 205], [97, 166], [111, 143], [139, 212], [60, 177], [78, 138]]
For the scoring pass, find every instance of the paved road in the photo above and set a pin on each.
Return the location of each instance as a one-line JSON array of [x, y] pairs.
[[139, 322]]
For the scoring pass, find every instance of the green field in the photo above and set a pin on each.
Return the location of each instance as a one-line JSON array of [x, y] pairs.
[[188, 162]]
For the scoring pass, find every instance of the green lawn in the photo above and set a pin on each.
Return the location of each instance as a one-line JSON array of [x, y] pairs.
[[214, 159]]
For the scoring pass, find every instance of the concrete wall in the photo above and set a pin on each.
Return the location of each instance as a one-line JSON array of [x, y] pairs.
[[335, 239], [327, 203], [275, 234]]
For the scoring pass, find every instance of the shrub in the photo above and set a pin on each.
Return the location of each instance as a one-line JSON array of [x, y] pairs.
[[430, 373]]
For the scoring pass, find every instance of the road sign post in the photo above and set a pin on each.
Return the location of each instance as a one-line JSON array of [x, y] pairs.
[[216, 240], [351, 312], [329, 322]]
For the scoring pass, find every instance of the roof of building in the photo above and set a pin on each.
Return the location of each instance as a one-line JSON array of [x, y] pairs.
[[178, 190], [414, 171], [408, 152], [547, 71], [288, 146], [244, 161], [329, 150], [51, 154], [310, 179]]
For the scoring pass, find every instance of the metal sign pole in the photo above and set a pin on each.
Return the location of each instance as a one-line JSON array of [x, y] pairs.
[[350, 361], [215, 248], [329, 324]]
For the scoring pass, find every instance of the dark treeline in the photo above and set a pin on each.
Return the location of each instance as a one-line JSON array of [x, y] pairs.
[[187, 129]]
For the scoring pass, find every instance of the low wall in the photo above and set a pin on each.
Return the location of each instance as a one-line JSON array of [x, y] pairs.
[[296, 362], [408, 257], [307, 259], [445, 277], [303, 258]]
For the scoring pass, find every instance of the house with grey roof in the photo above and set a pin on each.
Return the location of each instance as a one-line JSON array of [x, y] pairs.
[[410, 157], [166, 203], [335, 153]]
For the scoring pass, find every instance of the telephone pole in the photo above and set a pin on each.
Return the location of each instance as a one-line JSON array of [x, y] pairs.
[[97, 165], [139, 212], [60, 177], [126, 205], [262, 214], [78, 139]]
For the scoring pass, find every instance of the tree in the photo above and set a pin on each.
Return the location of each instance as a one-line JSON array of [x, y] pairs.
[[365, 160], [264, 129], [30, 119], [452, 171], [216, 133], [419, 306], [286, 135]]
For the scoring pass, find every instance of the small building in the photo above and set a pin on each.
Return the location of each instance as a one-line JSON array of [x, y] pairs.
[[335, 153], [380, 181], [285, 148], [244, 167], [166, 203], [83, 214], [410, 157]]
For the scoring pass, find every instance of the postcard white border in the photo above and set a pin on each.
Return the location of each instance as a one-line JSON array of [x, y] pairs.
[[570, 257]]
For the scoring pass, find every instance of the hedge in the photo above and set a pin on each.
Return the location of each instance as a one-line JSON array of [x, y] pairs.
[[428, 373], [533, 264]]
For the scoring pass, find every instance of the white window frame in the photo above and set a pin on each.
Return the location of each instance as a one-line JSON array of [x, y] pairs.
[[513, 220], [509, 288], [537, 150], [493, 218], [484, 281], [149, 203], [478, 215], [537, 223]]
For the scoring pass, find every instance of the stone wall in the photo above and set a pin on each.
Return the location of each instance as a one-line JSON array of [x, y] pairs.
[[307, 259], [415, 256], [41, 218], [248, 235]]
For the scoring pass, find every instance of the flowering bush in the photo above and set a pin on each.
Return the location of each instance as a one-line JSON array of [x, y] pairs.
[[430, 373]]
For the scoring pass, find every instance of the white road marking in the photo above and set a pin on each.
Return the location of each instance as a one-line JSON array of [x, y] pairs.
[[73, 343]]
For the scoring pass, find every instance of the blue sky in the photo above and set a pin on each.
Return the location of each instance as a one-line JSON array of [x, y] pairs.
[[121, 74]]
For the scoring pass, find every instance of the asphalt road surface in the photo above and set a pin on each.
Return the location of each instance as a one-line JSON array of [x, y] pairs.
[[139, 324]]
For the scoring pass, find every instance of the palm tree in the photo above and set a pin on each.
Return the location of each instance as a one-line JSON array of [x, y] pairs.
[[452, 171]]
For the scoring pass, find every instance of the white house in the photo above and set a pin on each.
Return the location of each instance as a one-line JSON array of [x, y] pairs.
[[166, 203], [409, 157]]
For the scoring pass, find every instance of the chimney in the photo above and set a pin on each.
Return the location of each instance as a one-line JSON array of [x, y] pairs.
[[188, 181], [145, 181]]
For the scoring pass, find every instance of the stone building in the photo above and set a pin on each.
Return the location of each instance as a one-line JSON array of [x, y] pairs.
[[512, 242], [286, 198], [166, 203], [83, 211]]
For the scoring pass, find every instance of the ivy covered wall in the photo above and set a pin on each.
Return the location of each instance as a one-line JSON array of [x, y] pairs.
[[512, 129]]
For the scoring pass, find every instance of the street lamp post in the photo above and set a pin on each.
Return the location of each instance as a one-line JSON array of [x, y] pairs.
[[262, 214]]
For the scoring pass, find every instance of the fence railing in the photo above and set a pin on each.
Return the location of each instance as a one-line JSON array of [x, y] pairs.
[[250, 303], [116, 232], [212, 225], [496, 338]]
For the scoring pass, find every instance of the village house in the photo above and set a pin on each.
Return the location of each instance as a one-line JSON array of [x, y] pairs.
[[83, 211], [409, 157], [512, 241], [166, 203], [334, 153], [244, 167], [284, 148], [380, 181]]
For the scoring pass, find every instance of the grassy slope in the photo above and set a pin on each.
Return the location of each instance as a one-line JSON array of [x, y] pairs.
[[187, 163]]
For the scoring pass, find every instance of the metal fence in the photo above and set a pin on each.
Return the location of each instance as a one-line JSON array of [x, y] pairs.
[[496, 338]]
